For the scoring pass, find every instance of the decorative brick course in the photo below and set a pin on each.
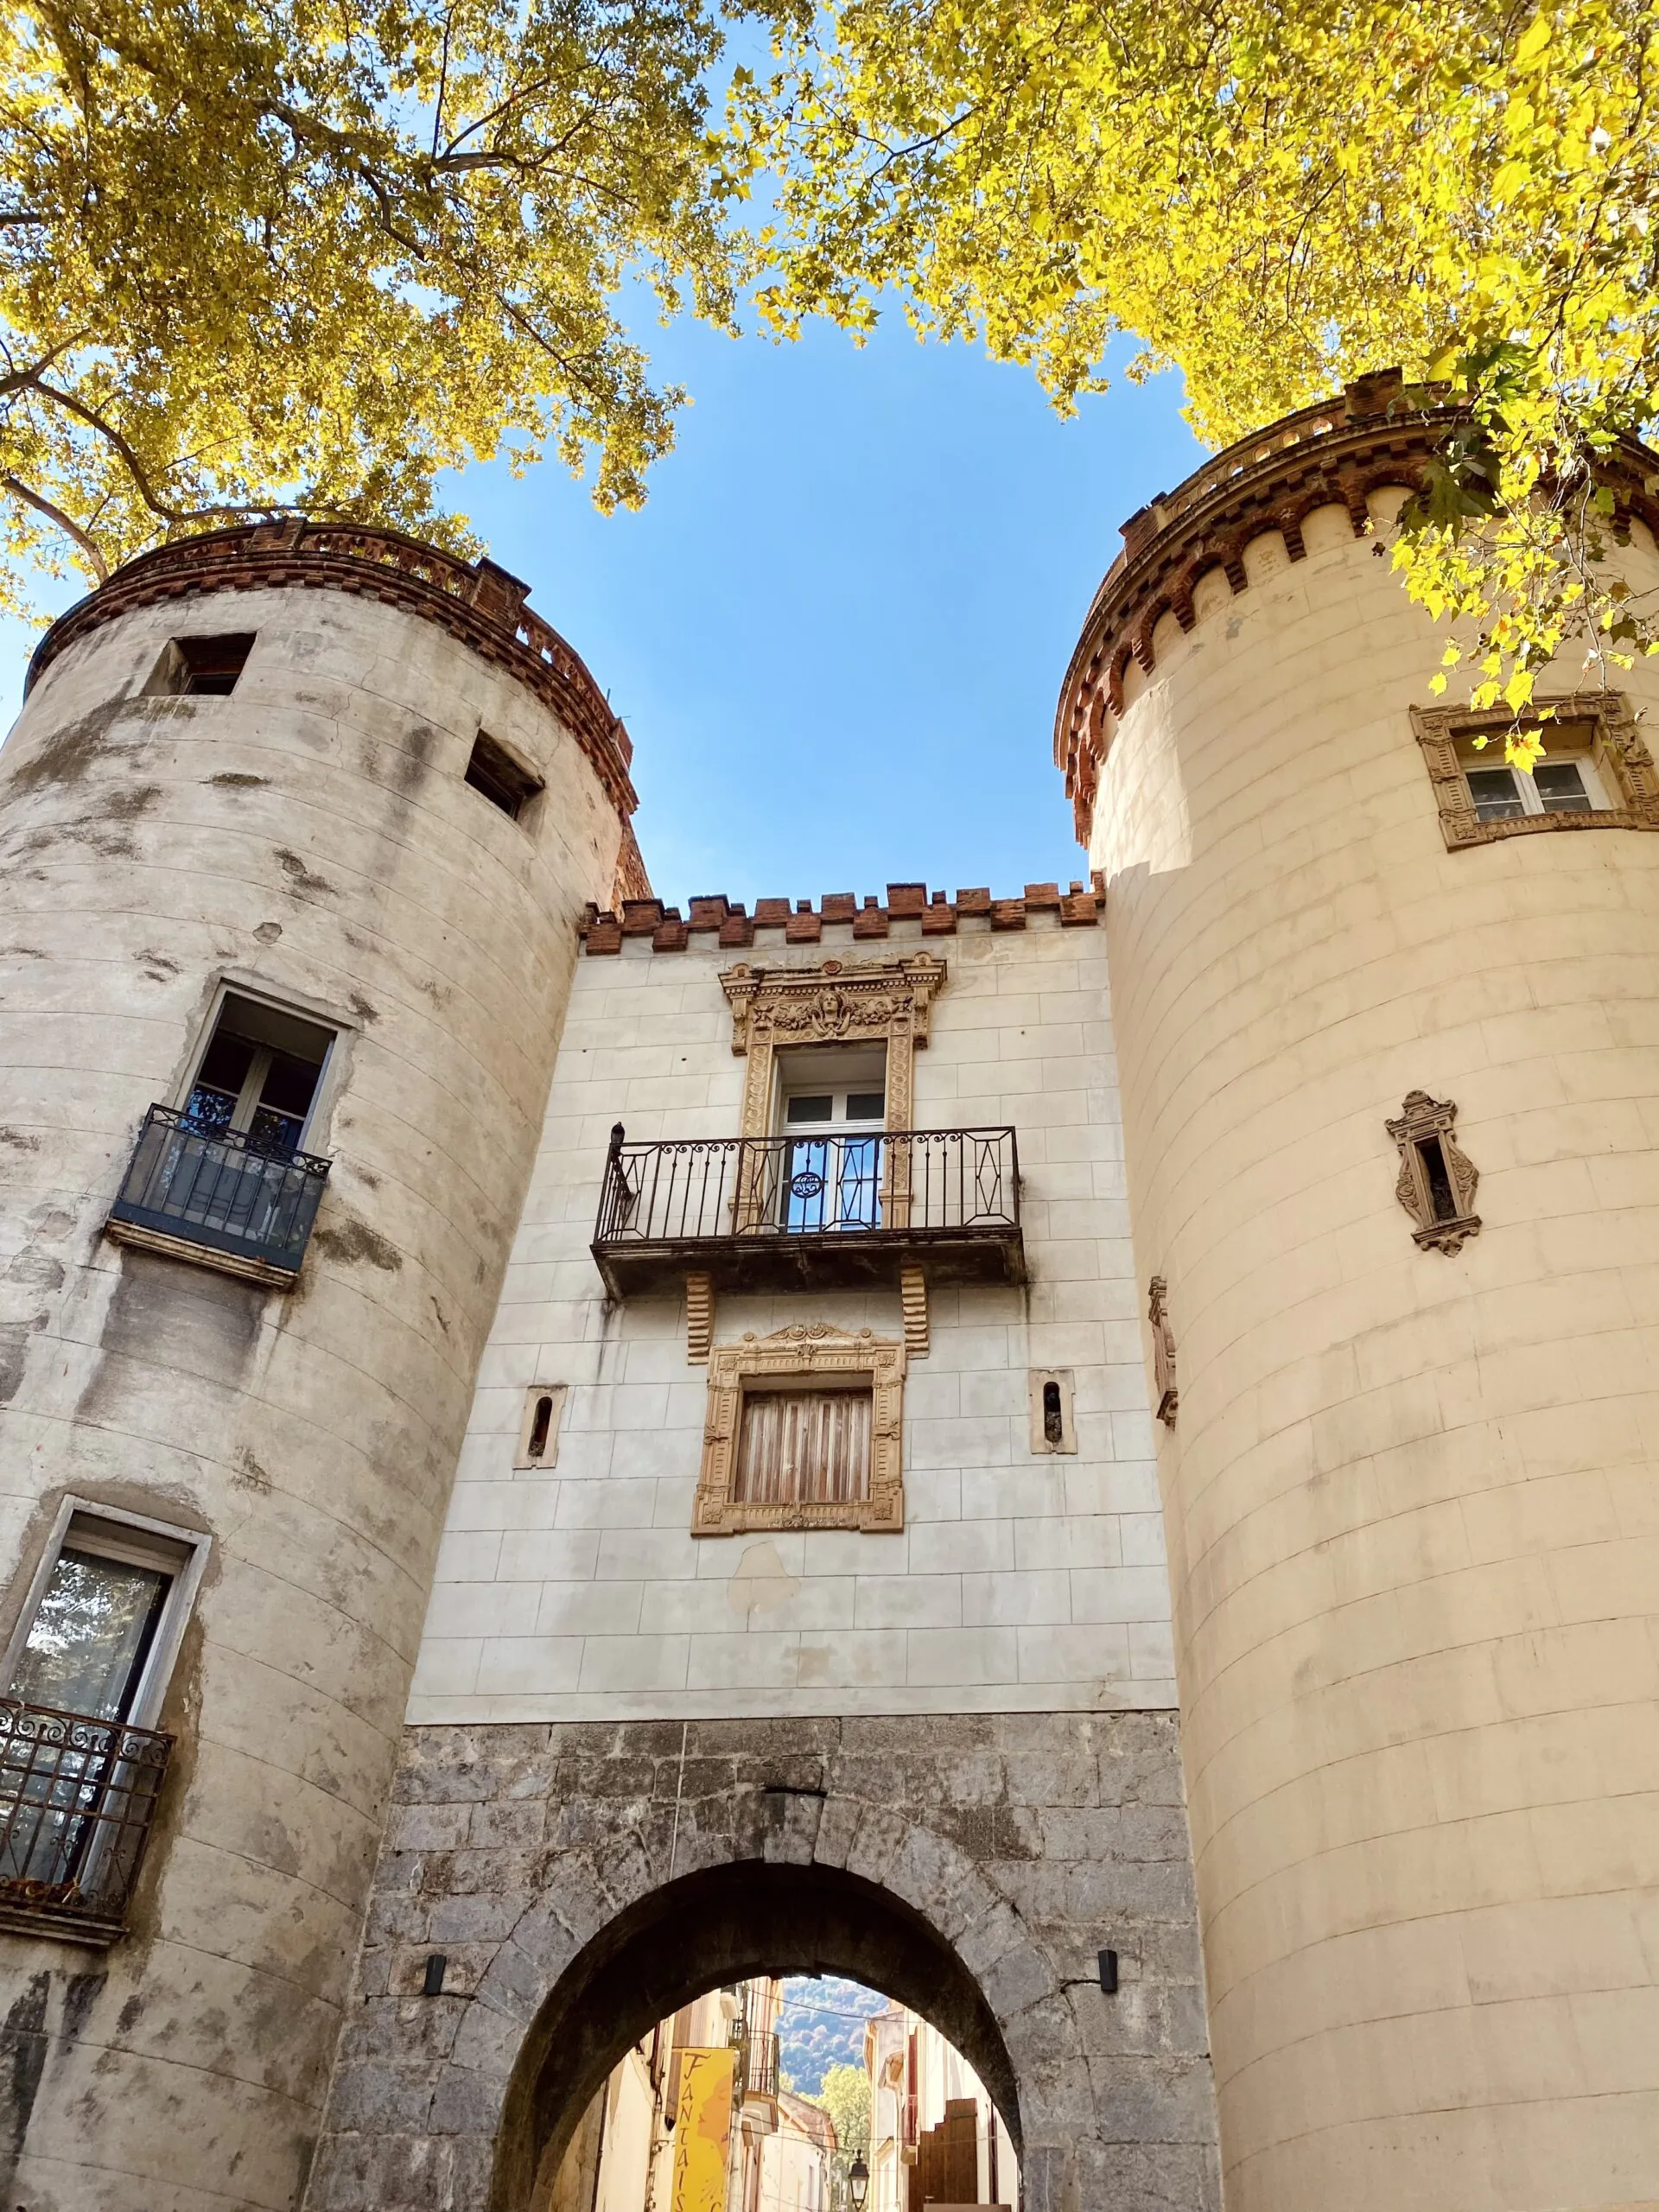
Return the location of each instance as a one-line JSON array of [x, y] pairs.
[[1336, 454], [477, 602], [726, 922]]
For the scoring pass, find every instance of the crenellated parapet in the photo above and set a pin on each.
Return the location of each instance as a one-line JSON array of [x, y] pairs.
[[482, 604], [722, 921], [1190, 552]]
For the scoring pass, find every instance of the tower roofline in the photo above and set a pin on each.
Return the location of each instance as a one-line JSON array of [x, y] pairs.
[[1333, 454], [477, 601]]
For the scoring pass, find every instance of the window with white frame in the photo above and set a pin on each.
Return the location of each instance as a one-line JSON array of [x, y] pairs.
[[82, 1762], [1565, 781], [1595, 771], [258, 1075], [832, 1110], [100, 1629]]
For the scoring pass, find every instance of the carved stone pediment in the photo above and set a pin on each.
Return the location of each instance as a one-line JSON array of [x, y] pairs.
[[886, 1002], [832, 1003]]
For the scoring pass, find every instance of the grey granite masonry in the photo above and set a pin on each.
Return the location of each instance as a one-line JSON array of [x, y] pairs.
[[582, 1880]]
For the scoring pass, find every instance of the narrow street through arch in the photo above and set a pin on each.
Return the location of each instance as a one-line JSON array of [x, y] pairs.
[[787, 2095]]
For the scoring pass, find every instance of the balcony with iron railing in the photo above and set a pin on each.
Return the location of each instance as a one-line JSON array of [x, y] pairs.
[[78, 1799], [759, 2059], [218, 1196], [797, 1212]]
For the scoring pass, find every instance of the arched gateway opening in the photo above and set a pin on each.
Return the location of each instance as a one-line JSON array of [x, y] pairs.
[[582, 1881], [728, 1924]]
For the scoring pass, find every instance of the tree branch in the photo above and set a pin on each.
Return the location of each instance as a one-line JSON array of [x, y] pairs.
[[95, 561]]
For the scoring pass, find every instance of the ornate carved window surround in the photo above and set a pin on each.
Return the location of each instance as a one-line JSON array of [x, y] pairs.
[[1437, 1178], [1618, 753], [807, 1354], [830, 1003], [1163, 1351]]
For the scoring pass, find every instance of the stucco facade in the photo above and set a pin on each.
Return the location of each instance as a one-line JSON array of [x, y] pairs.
[[1409, 1496], [580, 1592], [310, 839], [1252, 1641]]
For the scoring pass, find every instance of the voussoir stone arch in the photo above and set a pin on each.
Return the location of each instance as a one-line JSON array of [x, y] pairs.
[[584, 1881]]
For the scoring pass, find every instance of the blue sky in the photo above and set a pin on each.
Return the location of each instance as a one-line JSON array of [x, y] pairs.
[[837, 629]]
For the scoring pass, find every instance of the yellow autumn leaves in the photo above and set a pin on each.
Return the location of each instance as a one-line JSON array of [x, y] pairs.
[[259, 255], [1274, 199], [311, 253]]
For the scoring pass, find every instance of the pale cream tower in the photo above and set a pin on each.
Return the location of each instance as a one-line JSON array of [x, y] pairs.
[[298, 825], [1388, 1023]]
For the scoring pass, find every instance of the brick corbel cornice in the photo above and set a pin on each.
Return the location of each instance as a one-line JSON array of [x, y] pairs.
[[1334, 454], [477, 602]]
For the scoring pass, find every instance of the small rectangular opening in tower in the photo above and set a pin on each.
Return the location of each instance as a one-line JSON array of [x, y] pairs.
[[538, 1428], [202, 668], [494, 774]]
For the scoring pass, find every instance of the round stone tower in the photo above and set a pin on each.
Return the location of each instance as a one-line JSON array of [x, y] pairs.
[[1388, 1029], [295, 832]]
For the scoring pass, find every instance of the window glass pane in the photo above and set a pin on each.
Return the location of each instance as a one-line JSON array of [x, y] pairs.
[[809, 1110], [290, 1085], [1561, 787], [87, 1641], [832, 1183], [284, 1101], [1494, 792], [866, 1105], [804, 1447], [225, 1067]]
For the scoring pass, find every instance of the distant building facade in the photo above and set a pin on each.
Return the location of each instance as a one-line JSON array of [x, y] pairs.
[[936, 2136], [695, 2117], [1080, 1459]]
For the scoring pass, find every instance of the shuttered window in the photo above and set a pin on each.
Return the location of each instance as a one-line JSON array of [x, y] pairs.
[[809, 1447]]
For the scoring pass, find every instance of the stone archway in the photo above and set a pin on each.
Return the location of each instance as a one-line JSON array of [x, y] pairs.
[[725, 1924], [988, 1857]]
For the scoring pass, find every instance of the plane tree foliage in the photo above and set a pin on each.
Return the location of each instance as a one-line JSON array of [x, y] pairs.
[[270, 256], [1273, 196], [845, 2096], [267, 256]]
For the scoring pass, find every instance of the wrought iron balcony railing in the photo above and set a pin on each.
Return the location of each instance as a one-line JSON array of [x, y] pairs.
[[771, 1212], [77, 1800], [220, 1193], [758, 2060]]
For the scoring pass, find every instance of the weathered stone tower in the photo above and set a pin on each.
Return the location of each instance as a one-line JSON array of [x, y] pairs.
[[1388, 1024], [295, 831]]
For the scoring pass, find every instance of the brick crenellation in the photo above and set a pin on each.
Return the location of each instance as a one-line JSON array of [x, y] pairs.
[[728, 922]]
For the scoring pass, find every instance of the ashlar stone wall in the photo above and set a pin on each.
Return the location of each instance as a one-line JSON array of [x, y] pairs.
[[1017, 1846]]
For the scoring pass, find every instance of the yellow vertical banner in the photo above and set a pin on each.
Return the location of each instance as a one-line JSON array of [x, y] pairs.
[[702, 2130]]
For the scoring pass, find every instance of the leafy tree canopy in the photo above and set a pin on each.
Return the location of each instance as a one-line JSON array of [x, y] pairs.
[[266, 255], [1275, 196], [259, 255], [846, 2097]]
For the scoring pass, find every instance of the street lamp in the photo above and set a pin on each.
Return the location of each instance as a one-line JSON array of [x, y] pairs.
[[858, 2181]]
